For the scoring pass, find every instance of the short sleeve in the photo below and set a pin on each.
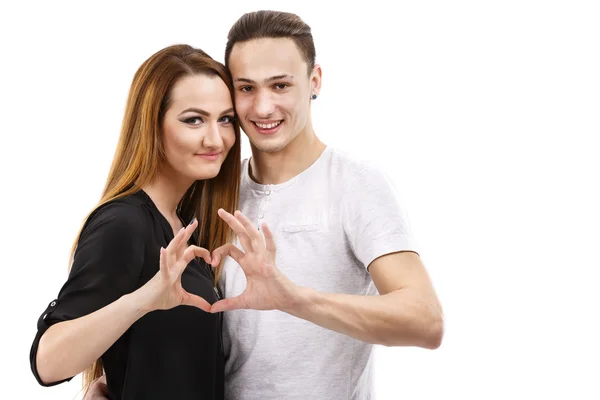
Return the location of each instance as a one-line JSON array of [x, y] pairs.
[[107, 264], [373, 219]]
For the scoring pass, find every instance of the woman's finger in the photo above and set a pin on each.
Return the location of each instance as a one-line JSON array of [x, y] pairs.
[[196, 301], [172, 247], [187, 234], [202, 252], [164, 270], [192, 252]]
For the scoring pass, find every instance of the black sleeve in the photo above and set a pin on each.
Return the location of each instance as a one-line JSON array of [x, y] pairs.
[[107, 265]]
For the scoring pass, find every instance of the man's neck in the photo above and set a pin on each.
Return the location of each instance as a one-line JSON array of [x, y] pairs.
[[275, 168]]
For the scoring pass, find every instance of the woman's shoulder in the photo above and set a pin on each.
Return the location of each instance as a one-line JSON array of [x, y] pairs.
[[126, 214]]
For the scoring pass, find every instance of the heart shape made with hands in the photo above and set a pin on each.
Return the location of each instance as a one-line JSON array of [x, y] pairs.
[[266, 287]]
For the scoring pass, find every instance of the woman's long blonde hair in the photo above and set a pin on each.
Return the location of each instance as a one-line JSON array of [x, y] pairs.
[[140, 151]]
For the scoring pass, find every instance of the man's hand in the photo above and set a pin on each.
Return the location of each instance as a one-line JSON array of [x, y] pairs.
[[97, 390], [266, 287]]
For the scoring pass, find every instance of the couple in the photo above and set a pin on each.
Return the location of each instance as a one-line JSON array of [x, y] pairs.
[[175, 294]]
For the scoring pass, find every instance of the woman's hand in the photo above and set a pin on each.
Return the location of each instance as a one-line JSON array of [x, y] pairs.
[[164, 290]]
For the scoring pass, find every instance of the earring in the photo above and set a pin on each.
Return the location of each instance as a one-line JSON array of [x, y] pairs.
[[314, 96]]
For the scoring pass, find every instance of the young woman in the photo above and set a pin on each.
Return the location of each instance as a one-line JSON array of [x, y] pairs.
[[136, 300]]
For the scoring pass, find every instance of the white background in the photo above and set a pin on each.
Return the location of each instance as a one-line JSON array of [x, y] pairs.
[[486, 115]]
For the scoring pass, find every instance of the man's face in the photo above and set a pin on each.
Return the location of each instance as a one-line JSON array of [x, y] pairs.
[[272, 91]]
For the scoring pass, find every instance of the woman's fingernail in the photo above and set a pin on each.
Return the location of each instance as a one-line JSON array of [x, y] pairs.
[[194, 220]]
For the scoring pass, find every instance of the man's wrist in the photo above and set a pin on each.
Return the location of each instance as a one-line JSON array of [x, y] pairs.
[[300, 299]]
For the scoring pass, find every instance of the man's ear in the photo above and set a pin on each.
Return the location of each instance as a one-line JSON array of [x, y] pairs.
[[316, 77]]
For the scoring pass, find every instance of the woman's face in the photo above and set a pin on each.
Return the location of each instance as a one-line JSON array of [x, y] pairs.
[[198, 127]]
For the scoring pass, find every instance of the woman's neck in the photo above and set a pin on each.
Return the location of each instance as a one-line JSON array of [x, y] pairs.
[[166, 193]]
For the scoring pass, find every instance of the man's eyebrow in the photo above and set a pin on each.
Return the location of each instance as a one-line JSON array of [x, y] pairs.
[[268, 80]]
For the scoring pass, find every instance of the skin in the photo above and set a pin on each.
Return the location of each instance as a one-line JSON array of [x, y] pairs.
[[272, 85]]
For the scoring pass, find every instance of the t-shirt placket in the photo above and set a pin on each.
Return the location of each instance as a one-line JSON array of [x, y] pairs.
[[263, 206]]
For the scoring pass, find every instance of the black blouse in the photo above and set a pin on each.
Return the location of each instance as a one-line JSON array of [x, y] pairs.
[[167, 354]]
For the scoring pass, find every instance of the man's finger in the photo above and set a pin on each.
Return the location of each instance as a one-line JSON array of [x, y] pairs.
[[224, 251], [269, 239], [255, 235], [238, 228], [232, 303], [97, 389]]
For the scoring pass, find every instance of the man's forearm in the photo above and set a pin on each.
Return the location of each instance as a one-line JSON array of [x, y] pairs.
[[399, 318]]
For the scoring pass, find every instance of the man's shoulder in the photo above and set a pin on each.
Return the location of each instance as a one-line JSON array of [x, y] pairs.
[[352, 167]]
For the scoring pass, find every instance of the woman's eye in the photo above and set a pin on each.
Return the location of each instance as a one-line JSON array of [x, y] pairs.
[[193, 120], [227, 119]]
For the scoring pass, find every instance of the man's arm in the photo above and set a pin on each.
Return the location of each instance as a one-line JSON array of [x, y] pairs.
[[97, 390], [406, 313]]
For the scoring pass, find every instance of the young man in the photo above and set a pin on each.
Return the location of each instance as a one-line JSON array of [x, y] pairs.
[[345, 274], [338, 229]]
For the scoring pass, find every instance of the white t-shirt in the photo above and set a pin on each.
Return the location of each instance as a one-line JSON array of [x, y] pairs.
[[330, 222]]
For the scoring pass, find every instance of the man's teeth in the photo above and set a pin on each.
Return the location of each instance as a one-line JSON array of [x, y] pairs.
[[267, 126]]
